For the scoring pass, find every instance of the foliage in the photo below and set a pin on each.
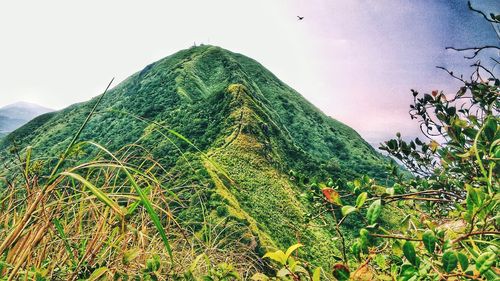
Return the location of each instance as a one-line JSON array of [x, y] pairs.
[[110, 217], [289, 267], [152, 204], [447, 215], [235, 113]]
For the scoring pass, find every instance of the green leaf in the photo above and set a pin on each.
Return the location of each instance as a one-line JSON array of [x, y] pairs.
[[282, 273], [363, 233], [300, 269], [392, 144], [409, 252], [485, 261], [450, 261], [330, 183], [490, 128], [341, 272], [463, 260], [316, 274], [277, 256], [408, 272], [355, 249], [427, 97], [346, 210], [363, 240], [361, 199], [374, 211], [429, 241], [153, 264], [475, 195], [291, 249]]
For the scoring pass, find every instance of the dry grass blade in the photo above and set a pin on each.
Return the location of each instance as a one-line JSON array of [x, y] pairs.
[[145, 201], [50, 183], [97, 192]]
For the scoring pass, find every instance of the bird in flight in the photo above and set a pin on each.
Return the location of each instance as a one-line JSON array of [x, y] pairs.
[[300, 18]]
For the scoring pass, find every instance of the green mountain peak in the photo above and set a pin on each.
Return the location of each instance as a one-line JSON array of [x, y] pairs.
[[250, 130]]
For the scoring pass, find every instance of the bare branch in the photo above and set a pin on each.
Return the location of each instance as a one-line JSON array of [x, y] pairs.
[[395, 237], [497, 233], [481, 13], [476, 50], [479, 66], [451, 74]]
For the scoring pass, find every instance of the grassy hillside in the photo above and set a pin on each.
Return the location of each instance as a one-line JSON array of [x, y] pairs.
[[248, 131], [186, 91]]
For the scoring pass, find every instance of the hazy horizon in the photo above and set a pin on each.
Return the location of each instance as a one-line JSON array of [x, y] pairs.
[[355, 60]]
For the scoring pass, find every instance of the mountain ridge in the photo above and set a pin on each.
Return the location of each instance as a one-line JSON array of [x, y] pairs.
[[239, 115], [13, 116]]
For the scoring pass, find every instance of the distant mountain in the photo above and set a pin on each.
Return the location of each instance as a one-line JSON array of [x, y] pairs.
[[270, 141], [15, 115]]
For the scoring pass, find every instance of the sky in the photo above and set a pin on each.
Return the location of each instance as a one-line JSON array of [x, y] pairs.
[[356, 60]]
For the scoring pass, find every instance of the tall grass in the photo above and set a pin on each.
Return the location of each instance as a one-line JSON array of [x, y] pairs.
[[87, 219], [107, 217]]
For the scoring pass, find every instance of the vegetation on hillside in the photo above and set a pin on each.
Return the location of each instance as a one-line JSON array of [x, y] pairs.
[[448, 228], [204, 166], [448, 223], [254, 140]]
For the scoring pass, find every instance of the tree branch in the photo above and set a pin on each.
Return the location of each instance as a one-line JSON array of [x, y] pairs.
[[476, 50], [476, 233], [394, 237], [481, 13]]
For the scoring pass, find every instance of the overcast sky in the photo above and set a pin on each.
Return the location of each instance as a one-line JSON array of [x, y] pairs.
[[354, 59]]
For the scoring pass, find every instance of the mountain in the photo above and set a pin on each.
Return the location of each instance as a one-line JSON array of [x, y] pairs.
[[15, 115], [260, 146]]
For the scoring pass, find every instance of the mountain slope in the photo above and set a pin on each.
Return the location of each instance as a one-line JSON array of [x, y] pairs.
[[250, 130], [15, 115]]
